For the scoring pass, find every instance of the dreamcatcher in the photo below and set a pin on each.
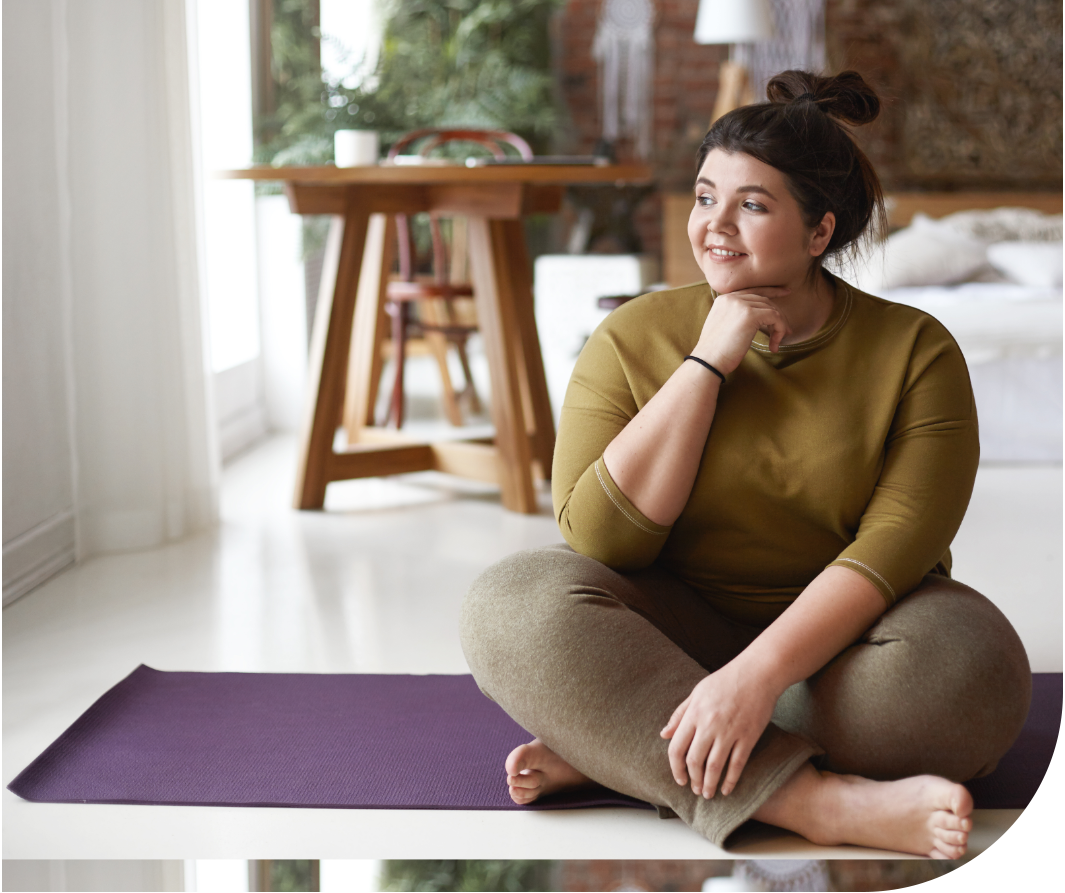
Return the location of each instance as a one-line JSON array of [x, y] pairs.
[[783, 874], [624, 48], [799, 43]]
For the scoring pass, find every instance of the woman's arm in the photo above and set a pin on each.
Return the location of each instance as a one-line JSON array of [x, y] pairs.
[[655, 458], [726, 713]]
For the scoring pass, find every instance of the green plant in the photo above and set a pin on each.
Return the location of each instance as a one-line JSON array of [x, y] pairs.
[[466, 874], [290, 876], [473, 63]]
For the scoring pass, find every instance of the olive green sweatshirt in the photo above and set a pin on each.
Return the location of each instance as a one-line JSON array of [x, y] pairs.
[[857, 448]]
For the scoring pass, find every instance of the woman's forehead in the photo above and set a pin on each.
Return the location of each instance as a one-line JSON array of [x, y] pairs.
[[732, 169]]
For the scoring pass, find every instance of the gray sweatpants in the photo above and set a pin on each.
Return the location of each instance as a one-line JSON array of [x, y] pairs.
[[594, 662]]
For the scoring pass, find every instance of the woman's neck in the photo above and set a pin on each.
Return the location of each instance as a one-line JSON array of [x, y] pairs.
[[808, 307]]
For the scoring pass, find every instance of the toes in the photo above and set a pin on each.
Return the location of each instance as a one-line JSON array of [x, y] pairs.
[[945, 851], [952, 838], [526, 782], [961, 801], [518, 757], [521, 796], [950, 822]]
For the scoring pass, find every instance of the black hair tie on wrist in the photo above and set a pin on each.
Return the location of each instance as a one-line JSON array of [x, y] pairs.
[[716, 372]]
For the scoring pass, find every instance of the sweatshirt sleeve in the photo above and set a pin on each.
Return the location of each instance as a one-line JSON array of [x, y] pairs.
[[930, 462], [595, 517]]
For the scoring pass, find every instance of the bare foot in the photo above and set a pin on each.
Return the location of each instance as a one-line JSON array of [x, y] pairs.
[[534, 770], [925, 815]]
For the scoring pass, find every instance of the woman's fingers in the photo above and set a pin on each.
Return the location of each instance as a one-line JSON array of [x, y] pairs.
[[675, 719], [766, 291], [695, 759], [678, 751], [715, 763], [777, 334], [741, 752]]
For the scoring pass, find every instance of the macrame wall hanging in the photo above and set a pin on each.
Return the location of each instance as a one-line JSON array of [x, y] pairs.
[[799, 43], [783, 874], [624, 48]]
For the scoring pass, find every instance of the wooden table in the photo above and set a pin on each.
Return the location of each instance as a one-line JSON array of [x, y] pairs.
[[350, 321]]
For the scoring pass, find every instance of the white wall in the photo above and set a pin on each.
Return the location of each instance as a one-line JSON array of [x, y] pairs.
[[113, 875]]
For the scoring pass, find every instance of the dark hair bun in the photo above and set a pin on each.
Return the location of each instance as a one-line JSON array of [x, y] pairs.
[[845, 96]]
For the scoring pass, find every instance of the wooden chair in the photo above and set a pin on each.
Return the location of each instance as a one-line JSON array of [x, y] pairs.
[[438, 308]]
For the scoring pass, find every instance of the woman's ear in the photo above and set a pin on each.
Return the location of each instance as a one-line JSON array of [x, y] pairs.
[[822, 234]]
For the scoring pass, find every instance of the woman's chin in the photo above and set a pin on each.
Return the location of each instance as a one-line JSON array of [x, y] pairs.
[[725, 281]]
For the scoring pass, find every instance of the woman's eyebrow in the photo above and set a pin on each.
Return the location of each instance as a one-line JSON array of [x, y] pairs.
[[750, 188]]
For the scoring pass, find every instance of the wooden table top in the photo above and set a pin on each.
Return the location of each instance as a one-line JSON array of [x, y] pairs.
[[392, 174]]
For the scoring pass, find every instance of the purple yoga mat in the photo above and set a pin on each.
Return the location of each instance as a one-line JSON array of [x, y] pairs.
[[1020, 772], [353, 741]]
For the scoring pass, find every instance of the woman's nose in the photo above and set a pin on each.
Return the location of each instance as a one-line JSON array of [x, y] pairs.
[[721, 222]]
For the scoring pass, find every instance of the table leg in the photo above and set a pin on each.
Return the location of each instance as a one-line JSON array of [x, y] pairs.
[[371, 324], [540, 422], [327, 367], [491, 253]]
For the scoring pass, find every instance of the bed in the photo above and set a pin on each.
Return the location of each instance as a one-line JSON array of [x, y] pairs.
[[988, 266]]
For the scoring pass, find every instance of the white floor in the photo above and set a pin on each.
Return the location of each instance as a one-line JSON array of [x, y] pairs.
[[373, 584]]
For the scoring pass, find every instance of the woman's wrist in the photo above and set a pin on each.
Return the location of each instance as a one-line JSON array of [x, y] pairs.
[[766, 671], [717, 358], [708, 366]]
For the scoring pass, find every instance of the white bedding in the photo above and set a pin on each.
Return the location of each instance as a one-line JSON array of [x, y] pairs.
[[992, 320], [1011, 337]]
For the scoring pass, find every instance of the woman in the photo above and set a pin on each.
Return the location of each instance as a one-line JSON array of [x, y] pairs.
[[759, 478]]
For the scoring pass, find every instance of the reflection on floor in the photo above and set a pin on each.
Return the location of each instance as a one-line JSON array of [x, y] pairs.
[[373, 584]]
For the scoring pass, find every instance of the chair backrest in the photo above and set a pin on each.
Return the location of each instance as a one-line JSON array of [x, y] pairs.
[[493, 140], [430, 139]]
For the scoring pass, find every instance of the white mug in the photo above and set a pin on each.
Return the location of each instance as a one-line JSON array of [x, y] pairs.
[[352, 148]]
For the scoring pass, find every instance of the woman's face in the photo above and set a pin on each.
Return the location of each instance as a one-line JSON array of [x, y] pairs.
[[746, 228]]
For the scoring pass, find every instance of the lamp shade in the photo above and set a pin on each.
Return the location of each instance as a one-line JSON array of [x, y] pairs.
[[733, 21]]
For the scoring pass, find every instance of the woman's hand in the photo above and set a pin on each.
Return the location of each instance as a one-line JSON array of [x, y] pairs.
[[734, 320], [718, 724]]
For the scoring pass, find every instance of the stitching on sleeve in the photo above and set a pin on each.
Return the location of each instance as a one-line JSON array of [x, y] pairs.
[[621, 508], [874, 573]]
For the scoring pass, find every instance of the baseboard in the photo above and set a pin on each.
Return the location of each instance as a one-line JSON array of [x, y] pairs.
[[240, 431], [38, 554]]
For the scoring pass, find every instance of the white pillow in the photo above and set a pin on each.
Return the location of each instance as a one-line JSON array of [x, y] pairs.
[[1006, 225], [924, 253], [1028, 263]]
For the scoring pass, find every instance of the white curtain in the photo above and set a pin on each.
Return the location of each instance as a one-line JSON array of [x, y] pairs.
[[145, 451]]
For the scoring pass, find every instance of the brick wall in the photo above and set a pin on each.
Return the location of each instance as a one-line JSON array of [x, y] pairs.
[[971, 88], [685, 87]]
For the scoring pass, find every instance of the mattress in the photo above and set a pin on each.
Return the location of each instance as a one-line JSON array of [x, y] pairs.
[[1011, 337], [990, 320]]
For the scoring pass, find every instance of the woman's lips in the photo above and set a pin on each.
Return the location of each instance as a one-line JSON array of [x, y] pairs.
[[722, 255]]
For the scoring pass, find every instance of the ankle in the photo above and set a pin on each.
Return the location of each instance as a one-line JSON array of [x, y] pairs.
[[826, 816]]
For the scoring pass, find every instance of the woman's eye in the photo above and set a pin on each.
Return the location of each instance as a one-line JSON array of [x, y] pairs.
[[704, 200], [753, 206]]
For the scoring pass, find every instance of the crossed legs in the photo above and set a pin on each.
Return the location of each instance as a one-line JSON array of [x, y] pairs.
[[593, 663]]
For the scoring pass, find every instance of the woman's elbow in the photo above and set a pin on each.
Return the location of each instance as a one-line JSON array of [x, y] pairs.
[[609, 550]]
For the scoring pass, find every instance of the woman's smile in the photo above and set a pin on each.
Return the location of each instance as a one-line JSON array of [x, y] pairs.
[[746, 228], [720, 254]]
